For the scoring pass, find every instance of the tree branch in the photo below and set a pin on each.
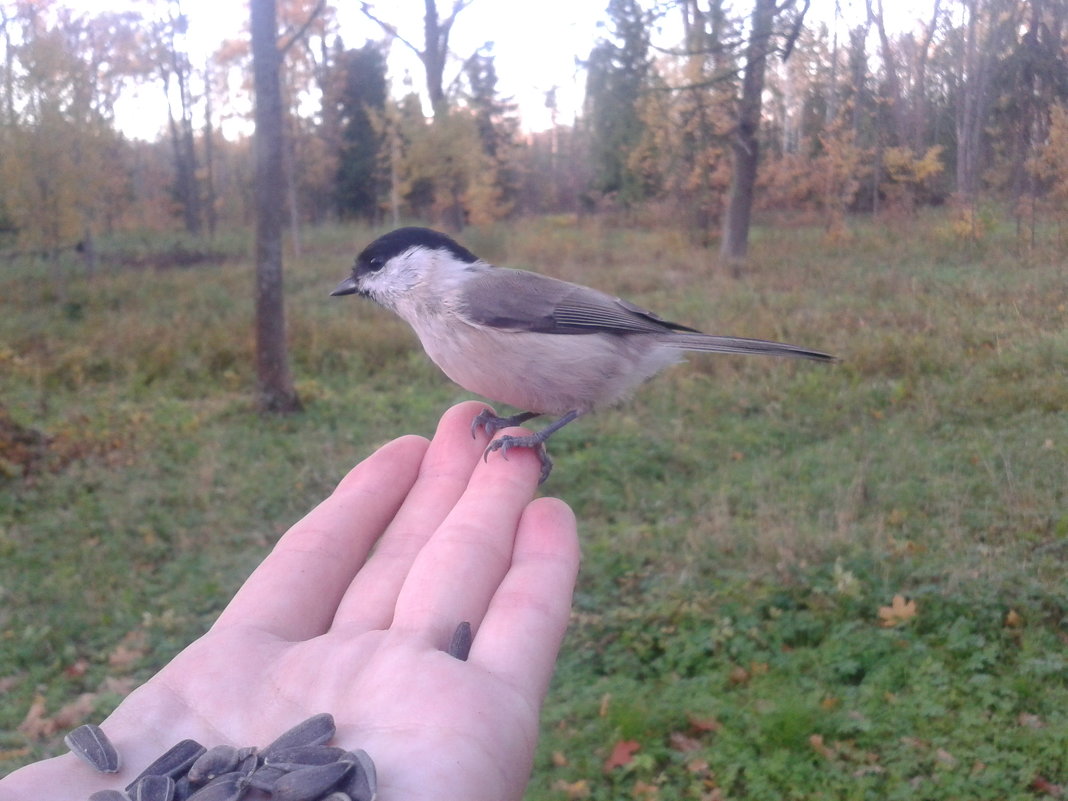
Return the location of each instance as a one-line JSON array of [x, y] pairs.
[[390, 30], [457, 7], [795, 31], [315, 12]]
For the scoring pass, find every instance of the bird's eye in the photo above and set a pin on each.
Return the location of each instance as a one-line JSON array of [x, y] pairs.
[[375, 263]]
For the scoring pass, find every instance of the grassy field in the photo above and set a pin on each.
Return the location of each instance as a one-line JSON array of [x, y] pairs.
[[746, 524]]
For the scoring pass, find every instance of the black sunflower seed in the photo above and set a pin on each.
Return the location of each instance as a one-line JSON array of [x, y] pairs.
[[308, 784], [460, 645], [91, 745], [174, 762], [316, 730]]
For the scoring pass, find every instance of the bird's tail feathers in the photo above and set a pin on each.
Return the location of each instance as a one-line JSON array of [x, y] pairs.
[[711, 343]]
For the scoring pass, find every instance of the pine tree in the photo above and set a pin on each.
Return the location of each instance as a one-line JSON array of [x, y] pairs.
[[619, 71], [360, 183]]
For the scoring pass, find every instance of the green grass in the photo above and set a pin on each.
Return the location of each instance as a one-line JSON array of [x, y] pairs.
[[742, 521]]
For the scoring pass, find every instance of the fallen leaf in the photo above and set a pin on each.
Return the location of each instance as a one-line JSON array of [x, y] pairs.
[[900, 611], [1013, 619], [129, 651], [1030, 721], [645, 791], [698, 767], [119, 686], [36, 725], [559, 760], [683, 743], [73, 714], [1043, 785], [868, 770], [573, 790], [606, 700], [816, 741], [946, 758], [738, 675], [621, 756], [703, 724], [77, 668]]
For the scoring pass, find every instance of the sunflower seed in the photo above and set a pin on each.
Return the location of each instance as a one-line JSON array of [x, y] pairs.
[[90, 744], [109, 795], [362, 783], [337, 795], [310, 783], [173, 762], [183, 788], [460, 645], [264, 777], [301, 756], [316, 730], [153, 788], [228, 787], [248, 759], [214, 762]]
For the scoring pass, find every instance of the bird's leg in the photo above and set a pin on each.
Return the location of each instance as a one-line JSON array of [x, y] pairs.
[[535, 440], [491, 423]]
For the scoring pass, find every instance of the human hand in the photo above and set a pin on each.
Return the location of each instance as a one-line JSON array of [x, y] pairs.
[[325, 625]]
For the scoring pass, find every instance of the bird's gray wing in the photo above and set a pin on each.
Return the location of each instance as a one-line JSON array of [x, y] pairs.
[[516, 300]]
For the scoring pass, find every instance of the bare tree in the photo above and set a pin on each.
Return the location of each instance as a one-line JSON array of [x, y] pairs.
[[990, 26], [898, 115], [435, 50], [276, 391], [176, 69]]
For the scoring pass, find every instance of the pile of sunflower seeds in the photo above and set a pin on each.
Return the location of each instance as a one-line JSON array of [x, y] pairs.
[[298, 766]]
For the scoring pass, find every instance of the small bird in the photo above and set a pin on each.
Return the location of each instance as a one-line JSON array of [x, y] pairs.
[[537, 343]]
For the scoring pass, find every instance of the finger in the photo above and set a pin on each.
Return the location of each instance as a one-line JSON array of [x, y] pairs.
[[522, 630], [443, 477], [461, 566], [295, 591]]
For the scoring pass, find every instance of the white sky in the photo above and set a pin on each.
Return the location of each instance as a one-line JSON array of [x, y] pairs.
[[536, 44], [535, 47]]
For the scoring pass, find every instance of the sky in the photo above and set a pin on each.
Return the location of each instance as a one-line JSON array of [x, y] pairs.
[[536, 46]]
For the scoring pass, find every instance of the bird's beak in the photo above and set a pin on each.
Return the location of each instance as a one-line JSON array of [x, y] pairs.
[[346, 287]]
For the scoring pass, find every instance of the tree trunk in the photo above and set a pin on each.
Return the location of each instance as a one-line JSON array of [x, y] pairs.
[[276, 392], [745, 147], [185, 156], [989, 27], [967, 113], [210, 201], [436, 44], [898, 120]]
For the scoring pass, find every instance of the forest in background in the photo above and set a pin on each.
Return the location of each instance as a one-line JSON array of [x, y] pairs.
[[968, 106], [798, 581]]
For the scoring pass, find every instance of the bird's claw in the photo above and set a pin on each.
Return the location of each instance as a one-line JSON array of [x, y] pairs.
[[506, 443], [484, 420], [491, 423]]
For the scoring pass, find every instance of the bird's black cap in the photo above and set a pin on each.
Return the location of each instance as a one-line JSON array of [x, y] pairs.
[[396, 242]]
